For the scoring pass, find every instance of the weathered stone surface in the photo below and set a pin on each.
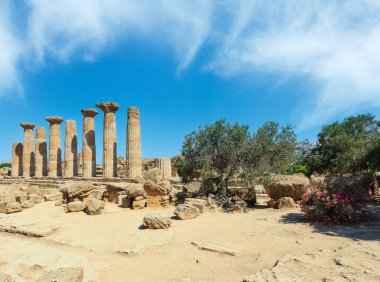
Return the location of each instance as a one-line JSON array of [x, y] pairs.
[[53, 197], [27, 204], [37, 229], [154, 189], [132, 190], [13, 207], [41, 152], [140, 179], [89, 148], [126, 202], [192, 187], [139, 198], [248, 195], [55, 151], [156, 221], [76, 206], [94, 206], [153, 174], [199, 203], [72, 274], [165, 165], [35, 198], [134, 162], [1, 178], [71, 154], [186, 211], [6, 278], [222, 248], [153, 201], [138, 204], [294, 186], [109, 138], [17, 158], [28, 150], [34, 190], [285, 202], [76, 190]]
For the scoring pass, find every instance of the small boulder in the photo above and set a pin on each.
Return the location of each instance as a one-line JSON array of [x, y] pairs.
[[139, 179], [153, 174], [53, 197], [192, 187], [94, 206], [72, 274], [76, 206], [27, 204], [35, 198], [76, 190], [186, 211], [156, 221], [139, 204], [285, 202], [13, 207], [154, 189], [199, 203]]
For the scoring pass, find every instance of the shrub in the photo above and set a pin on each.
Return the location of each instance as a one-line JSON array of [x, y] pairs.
[[333, 207]]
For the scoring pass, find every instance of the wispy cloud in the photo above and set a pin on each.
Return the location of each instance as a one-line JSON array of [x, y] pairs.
[[11, 51], [334, 44]]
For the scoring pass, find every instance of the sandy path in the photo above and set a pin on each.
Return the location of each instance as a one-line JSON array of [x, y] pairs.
[[92, 242]]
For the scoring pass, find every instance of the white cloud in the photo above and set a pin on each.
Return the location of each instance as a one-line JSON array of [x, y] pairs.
[[334, 44], [10, 52]]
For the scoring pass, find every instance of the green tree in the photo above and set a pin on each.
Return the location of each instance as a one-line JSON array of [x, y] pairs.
[[220, 152], [272, 149], [213, 152], [345, 146]]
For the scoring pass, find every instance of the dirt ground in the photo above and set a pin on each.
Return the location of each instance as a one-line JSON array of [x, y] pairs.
[[275, 245]]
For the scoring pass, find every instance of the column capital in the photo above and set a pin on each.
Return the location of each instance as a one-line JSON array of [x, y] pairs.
[[108, 106], [133, 113], [27, 125], [89, 112], [54, 120]]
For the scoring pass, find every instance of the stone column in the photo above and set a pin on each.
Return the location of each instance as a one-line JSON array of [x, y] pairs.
[[71, 161], [17, 152], [41, 157], [89, 148], [28, 150], [109, 138], [55, 151], [165, 165], [134, 164]]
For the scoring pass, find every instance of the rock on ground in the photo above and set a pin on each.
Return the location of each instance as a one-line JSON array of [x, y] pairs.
[[294, 186], [186, 211], [94, 206], [27, 204], [38, 229], [154, 189], [156, 221], [72, 274], [199, 203], [13, 207], [76, 190], [285, 202], [192, 187], [76, 206], [53, 197], [6, 278], [248, 195]]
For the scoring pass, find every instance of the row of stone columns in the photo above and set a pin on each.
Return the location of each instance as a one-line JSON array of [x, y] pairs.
[[29, 161]]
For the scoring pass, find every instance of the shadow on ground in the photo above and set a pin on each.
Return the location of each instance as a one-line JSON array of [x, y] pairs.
[[368, 231]]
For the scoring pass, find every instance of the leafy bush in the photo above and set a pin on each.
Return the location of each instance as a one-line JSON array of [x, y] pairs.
[[5, 165], [333, 207]]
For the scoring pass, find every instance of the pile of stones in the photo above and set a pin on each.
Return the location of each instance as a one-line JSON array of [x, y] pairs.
[[19, 196]]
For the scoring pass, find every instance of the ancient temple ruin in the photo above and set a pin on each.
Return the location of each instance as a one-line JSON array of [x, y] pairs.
[[30, 158]]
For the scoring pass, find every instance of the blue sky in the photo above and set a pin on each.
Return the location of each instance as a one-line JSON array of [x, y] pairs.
[[187, 63]]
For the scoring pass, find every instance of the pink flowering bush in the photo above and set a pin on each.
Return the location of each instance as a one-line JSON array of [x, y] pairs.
[[333, 207]]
